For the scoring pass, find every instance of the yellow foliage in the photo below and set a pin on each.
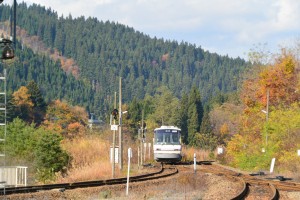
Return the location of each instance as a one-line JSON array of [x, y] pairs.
[[287, 63], [224, 129], [21, 97], [235, 144], [290, 160]]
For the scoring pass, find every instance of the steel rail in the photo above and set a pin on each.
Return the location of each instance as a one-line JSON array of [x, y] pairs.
[[247, 180], [66, 186], [275, 192], [243, 193]]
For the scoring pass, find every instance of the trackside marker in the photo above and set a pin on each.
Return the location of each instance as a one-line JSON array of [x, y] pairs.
[[195, 163], [129, 156], [272, 165]]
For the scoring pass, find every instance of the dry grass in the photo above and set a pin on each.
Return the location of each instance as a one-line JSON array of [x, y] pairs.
[[188, 154], [90, 159]]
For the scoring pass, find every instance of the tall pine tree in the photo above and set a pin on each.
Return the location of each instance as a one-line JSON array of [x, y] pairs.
[[183, 118], [195, 114], [39, 105]]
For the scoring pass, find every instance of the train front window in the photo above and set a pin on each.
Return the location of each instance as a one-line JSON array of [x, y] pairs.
[[167, 137], [159, 137]]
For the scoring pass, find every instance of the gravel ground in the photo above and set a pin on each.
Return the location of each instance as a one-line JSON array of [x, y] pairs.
[[185, 185]]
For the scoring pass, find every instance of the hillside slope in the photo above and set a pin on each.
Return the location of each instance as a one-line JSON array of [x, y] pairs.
[[100, 52]]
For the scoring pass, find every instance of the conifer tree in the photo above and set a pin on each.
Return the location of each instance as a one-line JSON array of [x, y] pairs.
[[183, 118], [39, 104], [195, 114]]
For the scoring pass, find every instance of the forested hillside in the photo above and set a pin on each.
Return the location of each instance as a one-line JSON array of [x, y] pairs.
[[104, 51]]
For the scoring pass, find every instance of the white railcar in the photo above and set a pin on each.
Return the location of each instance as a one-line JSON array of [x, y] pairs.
[[167, 144]]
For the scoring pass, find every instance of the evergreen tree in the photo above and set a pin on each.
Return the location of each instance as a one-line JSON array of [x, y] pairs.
[[135, 115], [182, 117], [206, 139], [195, 115], [50, 158], [39, 105], [206, 127], [11, 112]]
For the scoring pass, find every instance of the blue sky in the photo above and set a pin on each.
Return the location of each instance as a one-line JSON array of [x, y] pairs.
[[230, 27]]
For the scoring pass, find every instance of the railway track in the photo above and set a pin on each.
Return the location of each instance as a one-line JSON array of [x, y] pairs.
[[162, 173], [254, 187]]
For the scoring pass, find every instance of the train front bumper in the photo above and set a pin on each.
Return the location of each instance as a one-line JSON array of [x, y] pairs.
[[167, 155]]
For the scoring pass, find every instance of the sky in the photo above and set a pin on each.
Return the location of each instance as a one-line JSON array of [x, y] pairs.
[[231, 27]]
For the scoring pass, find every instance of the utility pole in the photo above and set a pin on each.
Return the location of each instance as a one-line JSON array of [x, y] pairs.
[[267, 113], [15, 23], [142, 138], [120, 127], [114, 140], [268, 97]]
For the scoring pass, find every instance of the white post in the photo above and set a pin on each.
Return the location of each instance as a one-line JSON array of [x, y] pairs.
[[16, 177], [272, 165], [195, 162], [139, 157], [26, 176], [145, 150], [149, 145], [129, 156]]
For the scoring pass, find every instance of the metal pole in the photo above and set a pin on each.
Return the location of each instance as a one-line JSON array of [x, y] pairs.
[[5, 120], [267, 114], [114, 139], [15, 23], [120, 127], [268, 96], [142, 137]]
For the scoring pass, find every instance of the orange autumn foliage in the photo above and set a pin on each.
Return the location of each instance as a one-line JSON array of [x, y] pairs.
[[280, 79], [67, 120], [22, 97]]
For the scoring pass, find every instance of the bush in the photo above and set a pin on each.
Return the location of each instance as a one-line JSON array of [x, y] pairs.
[[50, 157]]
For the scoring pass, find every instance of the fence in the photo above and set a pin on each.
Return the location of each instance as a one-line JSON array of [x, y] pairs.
[[13, 176]]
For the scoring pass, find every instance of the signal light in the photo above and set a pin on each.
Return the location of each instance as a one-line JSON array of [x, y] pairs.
[[115, 113], [8, 52]]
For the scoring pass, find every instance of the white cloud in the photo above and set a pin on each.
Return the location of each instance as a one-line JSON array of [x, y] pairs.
[[287, 16]]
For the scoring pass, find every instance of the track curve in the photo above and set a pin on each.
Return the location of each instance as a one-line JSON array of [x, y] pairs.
[[162, 173]]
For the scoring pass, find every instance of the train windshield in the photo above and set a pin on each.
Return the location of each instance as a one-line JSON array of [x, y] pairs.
[[167, 136]]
